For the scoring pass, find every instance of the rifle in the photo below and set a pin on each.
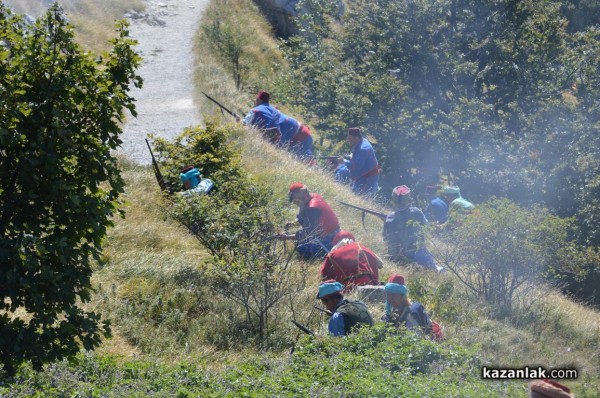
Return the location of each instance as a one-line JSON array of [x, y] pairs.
[[159, 177], [219, 104], [303, 328], [323, 310], [364, 210], [327, 157], [334, 157]]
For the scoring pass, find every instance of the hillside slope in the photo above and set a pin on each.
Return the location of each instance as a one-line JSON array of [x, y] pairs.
[[173, 336]]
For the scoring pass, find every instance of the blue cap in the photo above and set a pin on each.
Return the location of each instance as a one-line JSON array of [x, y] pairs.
[[329, 287], [391, 287], [192, 175]]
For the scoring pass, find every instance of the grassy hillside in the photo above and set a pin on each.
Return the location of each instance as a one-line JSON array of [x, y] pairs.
[[173, 336], [93, 20]]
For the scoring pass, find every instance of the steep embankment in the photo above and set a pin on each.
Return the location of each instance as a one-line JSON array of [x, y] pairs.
[[165, 103]]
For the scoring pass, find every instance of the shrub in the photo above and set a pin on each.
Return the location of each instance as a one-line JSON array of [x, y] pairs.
[[247, 268], [206, 148], [502, 249]]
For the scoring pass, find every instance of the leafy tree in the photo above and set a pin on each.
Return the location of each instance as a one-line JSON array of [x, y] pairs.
[[60, 114]]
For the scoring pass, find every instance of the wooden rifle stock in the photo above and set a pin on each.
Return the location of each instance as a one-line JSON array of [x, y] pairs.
[[157, 173], [219, 104], [327, 157], [329, 313]]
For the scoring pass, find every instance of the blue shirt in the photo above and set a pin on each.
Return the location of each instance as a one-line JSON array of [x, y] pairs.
[[402, 231], [337, 325], [263, 117], [363, 162], [437, 211], [289, 127]]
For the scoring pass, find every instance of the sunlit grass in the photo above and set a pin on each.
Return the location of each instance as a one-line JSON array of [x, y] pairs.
[[93, 19], [148, 256]]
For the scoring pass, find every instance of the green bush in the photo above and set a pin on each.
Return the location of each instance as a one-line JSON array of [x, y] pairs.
[[377, 361], [247, 267], [502, 249], [206, 148]]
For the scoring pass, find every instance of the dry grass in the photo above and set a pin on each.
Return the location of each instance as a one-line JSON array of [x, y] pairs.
[[93, 19], [145, 249], [260, 54]]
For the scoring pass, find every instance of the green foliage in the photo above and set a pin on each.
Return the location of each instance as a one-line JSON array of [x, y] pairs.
[[501, 250], [374, 362], [444, 302], [206, 148], [500, 96], [247, 268], [60, 115], [234, 225]]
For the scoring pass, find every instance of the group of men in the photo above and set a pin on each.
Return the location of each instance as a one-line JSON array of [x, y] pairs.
[[349, 263], [443, 203], [348, 315], [321, 235], [361, 168]]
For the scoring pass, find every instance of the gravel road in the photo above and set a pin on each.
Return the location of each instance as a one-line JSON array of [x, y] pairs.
[[165, 103]]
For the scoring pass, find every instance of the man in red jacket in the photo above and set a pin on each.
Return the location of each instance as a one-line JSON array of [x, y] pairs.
[[319, 222], [351, 263]]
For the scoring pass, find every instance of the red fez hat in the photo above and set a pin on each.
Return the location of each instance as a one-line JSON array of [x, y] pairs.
[[548, 388], [401, 190], [187, 168], [396, 278], [342, 235], [297, 186], [263, 96], [354, 131]]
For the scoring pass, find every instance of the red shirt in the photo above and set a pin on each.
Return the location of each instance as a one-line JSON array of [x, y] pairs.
[[319, 217], [351, 265]]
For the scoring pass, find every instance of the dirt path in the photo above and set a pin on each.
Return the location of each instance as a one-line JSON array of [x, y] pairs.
[[165, 104]]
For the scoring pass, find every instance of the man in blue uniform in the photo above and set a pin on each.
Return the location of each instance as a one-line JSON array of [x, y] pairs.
[[296, 136], [264, 117], [363, 166], [403, 231], [347, 315], [437, 209]]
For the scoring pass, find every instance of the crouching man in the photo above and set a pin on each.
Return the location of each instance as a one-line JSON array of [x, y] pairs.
[[193, 183], [347, 315]]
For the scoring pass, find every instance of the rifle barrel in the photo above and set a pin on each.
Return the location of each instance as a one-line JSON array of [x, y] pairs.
[[323, 310], [219, 104], [157, 173], [379, 214], [303, 328], [327, 157]]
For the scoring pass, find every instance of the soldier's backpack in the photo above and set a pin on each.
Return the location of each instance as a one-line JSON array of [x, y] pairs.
[[356, 314]]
